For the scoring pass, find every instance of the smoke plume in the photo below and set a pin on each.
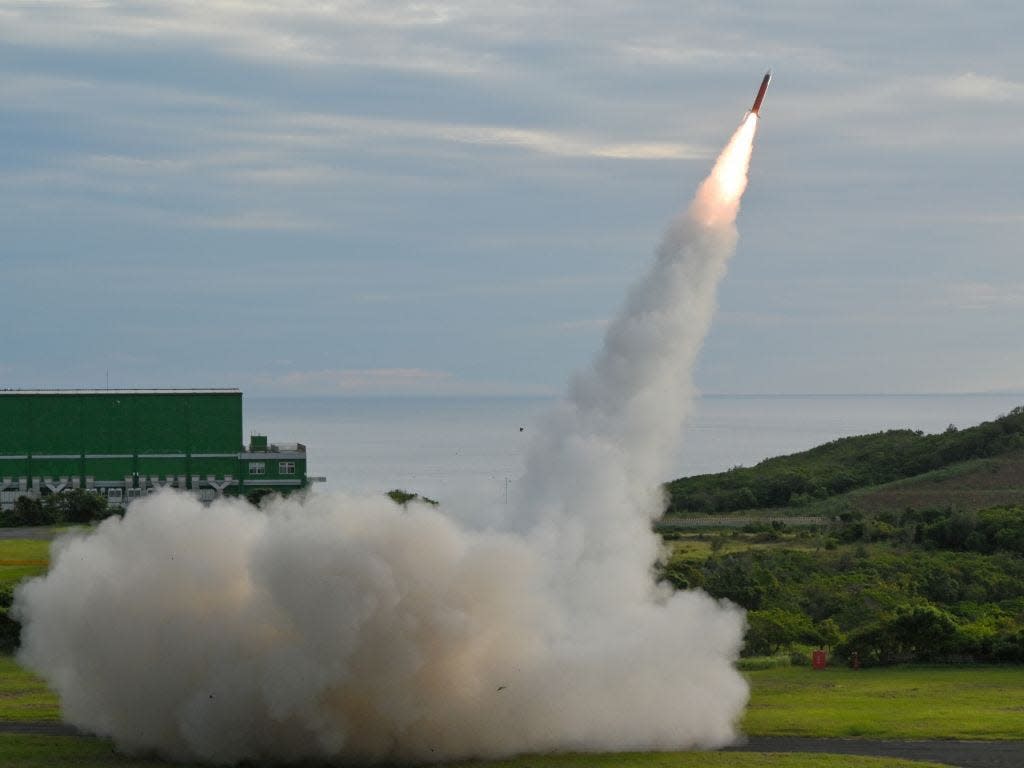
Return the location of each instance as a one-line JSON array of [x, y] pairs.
[[349, 628]]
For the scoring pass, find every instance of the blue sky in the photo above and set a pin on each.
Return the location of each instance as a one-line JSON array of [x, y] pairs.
[[452, 198]]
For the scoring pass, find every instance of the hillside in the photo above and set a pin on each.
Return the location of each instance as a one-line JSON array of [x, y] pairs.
[[915, 552], [973, 468]]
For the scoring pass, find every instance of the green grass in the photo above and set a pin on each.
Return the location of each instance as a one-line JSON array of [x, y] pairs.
[[893, 703], [757, 663], [978, 703], [698, 547], [25, 697], [21, 559], [972, 703], [896, 703], [39, 751]]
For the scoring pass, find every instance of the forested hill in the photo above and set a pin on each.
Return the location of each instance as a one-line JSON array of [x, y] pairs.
[[844, 465]]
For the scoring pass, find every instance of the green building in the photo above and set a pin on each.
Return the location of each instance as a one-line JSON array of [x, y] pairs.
[[125, 443]]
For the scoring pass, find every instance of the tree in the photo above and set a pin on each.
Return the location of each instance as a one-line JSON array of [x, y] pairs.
[[402, 498], [255, 497], [925, 631], [27, 511], [739, 578], [682, 574], [75, 506], [10, 629], [771, 630], [829, 633], [913, 633]]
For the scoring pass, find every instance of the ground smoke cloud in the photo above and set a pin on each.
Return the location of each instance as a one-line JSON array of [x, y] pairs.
[[349, 628]]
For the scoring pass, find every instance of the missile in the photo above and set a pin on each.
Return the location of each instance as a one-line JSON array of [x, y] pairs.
[[760, 93]]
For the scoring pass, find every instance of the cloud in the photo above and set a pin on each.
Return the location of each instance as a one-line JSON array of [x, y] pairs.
[[974, 87], [399, 36], [311, 130]]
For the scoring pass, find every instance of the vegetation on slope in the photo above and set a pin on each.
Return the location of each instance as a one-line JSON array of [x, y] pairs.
[[923, 586], [919, 555], [844, 465]]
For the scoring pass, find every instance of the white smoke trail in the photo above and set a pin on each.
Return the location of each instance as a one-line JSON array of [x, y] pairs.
[[349, 628]]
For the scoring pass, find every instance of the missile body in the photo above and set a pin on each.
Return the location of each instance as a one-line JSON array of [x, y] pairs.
[[760, 93]]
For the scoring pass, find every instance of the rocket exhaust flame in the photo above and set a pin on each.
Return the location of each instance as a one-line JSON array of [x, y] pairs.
[[718, 199], [348, 628]]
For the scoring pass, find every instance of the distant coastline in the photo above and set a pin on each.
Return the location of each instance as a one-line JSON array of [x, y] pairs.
[[442, 445]]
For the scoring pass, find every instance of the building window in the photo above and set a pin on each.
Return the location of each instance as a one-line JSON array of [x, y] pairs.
[[286, 467], [257, 468]]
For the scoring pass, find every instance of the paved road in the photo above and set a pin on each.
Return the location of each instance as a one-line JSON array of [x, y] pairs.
[[731, 521], [48, 728], [37, 532], [963, 754]]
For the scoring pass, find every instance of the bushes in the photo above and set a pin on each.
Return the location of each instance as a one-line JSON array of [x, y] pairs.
[[887, 604], [683, 575], [77, 506], [999, 529], [402, 498], [27, 511], [775, 629], [10, 630], [927, 633]]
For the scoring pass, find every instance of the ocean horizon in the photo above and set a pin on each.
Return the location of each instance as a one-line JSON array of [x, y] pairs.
[[443, 446]]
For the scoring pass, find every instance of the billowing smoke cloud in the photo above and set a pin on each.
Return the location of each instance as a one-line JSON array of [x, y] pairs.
[[349, 628]]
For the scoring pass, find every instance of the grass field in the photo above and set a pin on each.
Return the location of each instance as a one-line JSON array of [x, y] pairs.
[[38, 751], [21, 559], [975, 702], [984, 703], [914, 702], [698, 547], [24, 697], [972, 703]]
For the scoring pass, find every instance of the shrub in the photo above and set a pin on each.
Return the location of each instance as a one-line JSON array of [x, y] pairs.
[[772, 630], [683, 575], [27, 511], [402, 498], [10, 630], [257, 496], [76, 506]]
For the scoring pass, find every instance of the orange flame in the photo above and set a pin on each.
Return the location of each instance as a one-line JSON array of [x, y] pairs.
[[718, 199]]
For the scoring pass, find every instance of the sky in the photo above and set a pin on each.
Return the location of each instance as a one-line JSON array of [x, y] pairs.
[[453, 198]]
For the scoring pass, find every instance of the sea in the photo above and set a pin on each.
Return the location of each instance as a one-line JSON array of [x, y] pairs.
[[442, 447]]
